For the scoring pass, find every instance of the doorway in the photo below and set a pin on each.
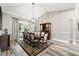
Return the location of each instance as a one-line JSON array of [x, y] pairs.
[[18, 27], [23, 27]]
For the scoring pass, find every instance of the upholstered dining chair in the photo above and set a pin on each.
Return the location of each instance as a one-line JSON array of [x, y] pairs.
[[33, 42], [44, 39], [26, 37], [31, 36], [37, 36]]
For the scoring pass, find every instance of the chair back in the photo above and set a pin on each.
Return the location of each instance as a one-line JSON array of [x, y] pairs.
[[25, 36], [46, 37], [42, 34], [31, 36]]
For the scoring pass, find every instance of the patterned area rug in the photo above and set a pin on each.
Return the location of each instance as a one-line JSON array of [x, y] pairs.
[[33, 51]]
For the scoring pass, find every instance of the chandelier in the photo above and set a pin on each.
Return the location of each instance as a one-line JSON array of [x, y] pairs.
[[33, 6]]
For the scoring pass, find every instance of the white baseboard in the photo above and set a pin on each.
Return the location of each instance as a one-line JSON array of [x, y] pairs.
[[60, 40], [77, 40]]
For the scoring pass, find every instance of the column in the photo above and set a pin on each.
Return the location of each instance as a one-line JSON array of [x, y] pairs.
[[75, 21]]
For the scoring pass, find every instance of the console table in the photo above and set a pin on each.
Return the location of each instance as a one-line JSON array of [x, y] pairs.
[[4, 42]]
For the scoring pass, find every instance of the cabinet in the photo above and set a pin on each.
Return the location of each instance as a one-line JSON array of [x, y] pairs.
[[46, 27], [4, 42]]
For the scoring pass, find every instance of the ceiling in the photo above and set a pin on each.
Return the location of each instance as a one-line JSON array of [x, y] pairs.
[[26, 9]]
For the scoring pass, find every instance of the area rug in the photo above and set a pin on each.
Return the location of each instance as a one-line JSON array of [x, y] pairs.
[[33, 51]]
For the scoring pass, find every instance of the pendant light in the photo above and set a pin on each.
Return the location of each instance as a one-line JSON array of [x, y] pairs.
[[33, 19], [33, 12]]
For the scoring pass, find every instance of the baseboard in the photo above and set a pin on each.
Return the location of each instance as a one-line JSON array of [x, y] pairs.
[[60, 40]]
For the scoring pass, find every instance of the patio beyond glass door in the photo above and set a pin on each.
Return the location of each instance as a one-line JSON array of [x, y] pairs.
[[23, 27]]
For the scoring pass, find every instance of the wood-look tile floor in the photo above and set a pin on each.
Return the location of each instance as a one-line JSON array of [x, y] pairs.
[[56, 49]]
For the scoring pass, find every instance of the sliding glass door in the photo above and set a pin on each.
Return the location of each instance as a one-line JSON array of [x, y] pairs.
[[23, 27]]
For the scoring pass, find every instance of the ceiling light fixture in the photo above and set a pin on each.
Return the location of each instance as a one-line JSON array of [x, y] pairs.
[[33, 12]]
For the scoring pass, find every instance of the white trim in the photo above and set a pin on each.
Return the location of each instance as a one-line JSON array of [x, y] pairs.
[[77, 40], [60, 40], [62, 32], [16, 15]]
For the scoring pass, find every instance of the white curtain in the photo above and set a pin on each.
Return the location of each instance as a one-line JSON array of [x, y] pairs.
[[15, 28]]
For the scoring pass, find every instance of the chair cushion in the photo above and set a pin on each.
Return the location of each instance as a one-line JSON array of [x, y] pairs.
[[45, 36], [36, 34], [42, 34]]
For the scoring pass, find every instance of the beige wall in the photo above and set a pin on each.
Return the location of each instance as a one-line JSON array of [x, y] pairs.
[[7, 21], [60, 23]]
